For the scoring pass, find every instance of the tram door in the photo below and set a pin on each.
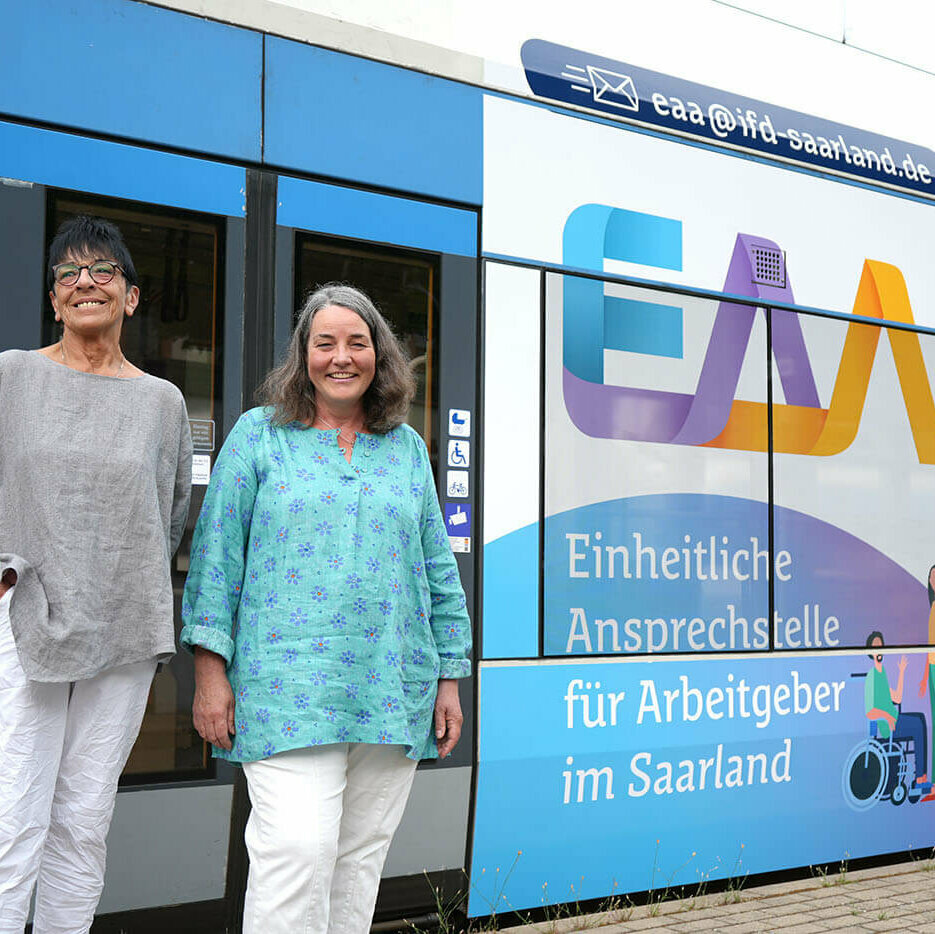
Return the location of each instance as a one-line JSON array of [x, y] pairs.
[[417, 261]]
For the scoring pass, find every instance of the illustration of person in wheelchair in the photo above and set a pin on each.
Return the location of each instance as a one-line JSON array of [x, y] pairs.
[[878, 767]]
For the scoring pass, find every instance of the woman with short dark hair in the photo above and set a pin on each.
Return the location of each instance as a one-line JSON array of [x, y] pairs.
[[95, 478], [327, 618]]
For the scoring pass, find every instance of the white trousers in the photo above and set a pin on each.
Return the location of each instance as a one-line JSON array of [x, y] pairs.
[[62, 749], [318, 834]]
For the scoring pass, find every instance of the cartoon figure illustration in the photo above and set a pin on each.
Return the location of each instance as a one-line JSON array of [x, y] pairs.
[[878, 768], [928, 673], [882, 704]]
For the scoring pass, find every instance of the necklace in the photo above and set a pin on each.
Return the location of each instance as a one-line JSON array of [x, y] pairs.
[[341, 435], [61, 347]]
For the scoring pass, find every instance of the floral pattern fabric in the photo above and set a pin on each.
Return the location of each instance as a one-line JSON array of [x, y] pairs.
[[329, 588]]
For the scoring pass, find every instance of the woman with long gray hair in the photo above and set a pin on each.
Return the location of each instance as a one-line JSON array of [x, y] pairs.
[[326, 616]]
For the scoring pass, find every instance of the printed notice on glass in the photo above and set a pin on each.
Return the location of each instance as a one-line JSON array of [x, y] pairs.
[[201, 469]]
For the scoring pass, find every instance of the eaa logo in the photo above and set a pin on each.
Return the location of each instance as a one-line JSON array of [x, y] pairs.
[[711, 416]]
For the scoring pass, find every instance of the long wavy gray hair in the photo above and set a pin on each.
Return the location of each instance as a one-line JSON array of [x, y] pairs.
[[289, 391]]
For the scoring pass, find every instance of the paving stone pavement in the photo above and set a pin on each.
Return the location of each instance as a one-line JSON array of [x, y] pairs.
[[884, 898]]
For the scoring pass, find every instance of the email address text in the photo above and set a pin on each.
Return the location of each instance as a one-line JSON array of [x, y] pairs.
[[746, 125]]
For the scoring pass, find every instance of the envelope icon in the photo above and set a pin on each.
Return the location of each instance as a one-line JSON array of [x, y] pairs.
[[610, 87]]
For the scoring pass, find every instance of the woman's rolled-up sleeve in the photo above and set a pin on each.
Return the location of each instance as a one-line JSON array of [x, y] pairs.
[[451, 626], [215, 578]]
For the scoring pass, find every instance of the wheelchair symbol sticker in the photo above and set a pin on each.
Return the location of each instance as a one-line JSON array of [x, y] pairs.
[[459, 453]]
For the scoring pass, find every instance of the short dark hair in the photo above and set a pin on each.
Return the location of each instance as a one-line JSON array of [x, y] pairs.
[[84, 235], [876, 634], [928, 581], [289, 390]]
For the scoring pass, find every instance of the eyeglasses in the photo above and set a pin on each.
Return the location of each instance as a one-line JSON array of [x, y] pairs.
[[101, 271]]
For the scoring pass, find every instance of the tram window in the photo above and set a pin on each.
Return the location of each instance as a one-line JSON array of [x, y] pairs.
[[174, 334], [403, 285]]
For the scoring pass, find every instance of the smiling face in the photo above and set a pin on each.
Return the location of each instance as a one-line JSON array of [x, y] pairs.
[[341, 360], [90, 310]]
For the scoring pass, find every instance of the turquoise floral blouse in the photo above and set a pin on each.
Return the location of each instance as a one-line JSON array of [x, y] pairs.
[[329, 588]]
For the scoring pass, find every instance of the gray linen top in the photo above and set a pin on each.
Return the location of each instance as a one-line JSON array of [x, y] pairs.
[[95, 480]]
